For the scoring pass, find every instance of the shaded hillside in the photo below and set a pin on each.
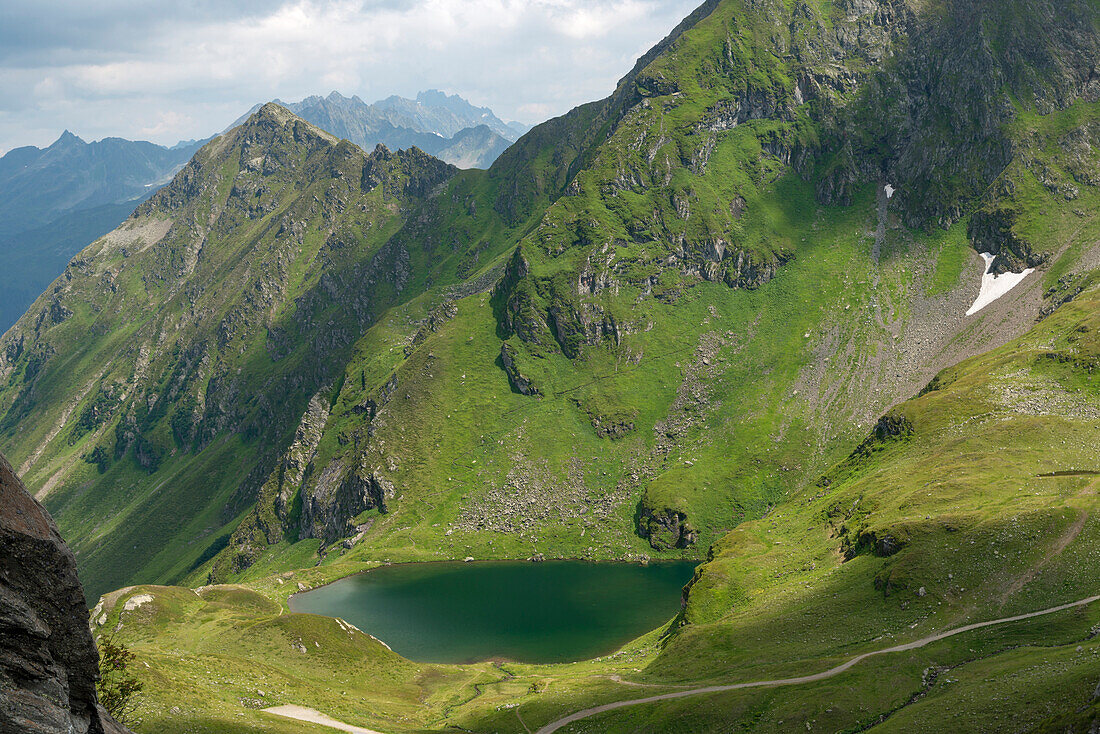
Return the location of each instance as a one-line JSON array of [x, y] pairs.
[[38, 185], [36, 256]]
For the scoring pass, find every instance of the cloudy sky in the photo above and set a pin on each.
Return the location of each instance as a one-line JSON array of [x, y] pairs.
[[166, 71]]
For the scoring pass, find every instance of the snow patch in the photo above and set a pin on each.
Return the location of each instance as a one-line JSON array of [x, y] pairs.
[[890, 191], [995, 286], [135, 602]]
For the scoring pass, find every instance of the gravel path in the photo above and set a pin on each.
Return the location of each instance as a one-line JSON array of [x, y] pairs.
[[555, 725], [301, 713]]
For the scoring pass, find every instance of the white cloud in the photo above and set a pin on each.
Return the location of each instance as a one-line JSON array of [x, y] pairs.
[[169, 125], [174, 75], [535, 111], [588, 21]]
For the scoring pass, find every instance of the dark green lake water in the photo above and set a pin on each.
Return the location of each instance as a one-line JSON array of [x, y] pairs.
[[557, 611]]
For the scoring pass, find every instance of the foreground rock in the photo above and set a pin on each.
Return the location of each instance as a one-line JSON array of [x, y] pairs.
[[48, 662]]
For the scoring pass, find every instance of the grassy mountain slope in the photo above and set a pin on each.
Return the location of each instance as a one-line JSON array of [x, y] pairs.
[[974, 501], [202, 325], [656, 270], [704, 336], [666, 321]]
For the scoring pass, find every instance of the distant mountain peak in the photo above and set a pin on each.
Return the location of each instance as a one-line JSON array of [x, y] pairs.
[[68, 138], [453, 102], [273, 111], [429, 96], [443, 127]]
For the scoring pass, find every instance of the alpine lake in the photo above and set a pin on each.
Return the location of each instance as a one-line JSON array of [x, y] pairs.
[[549, 612]]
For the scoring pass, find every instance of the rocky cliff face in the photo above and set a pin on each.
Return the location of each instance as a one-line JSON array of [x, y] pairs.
[[862, 92], [340, 494], [653, 198], [48, 662], [936, 119]]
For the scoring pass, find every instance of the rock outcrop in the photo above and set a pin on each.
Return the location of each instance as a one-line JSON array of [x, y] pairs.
[[48, 661], [666, 528], [520, 381], [329, 506], [991, 230]]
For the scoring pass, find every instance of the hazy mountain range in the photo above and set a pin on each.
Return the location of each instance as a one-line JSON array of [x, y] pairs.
[[447, 127]]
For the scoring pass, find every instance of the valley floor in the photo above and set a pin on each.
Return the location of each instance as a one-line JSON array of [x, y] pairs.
[[233, 659]]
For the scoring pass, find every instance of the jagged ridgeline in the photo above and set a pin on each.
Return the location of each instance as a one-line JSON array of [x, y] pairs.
[[649, 321]]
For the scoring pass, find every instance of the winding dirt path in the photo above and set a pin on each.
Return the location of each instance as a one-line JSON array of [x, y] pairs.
[[555, 725], [1055, 550]]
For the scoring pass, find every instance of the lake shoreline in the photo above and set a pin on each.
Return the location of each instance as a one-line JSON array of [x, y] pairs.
[[545, 612]]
